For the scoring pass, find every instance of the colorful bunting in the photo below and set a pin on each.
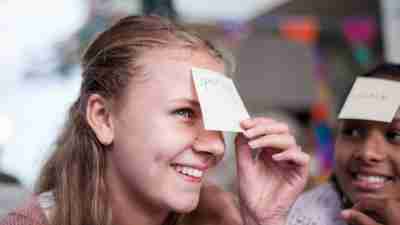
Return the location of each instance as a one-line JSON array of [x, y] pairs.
[[304, 29], [361, 34]]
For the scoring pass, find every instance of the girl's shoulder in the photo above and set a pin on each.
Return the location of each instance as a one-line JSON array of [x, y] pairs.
[[30, 213], [319, 206]]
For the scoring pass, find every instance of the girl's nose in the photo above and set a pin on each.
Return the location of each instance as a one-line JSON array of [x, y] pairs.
[[373, 149], [211, 142]]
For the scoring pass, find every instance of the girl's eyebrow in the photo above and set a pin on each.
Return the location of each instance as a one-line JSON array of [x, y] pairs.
[[396, 121], [190, 101], [351, 122]]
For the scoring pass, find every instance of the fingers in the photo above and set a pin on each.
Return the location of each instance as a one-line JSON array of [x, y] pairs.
[[265, 132], [294, 156], [352, 216], [371, 205], [249, 123], [271, 127], [276, 141], [243, 153], [383, 209]]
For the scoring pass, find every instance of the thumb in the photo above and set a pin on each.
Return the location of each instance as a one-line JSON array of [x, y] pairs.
[[243, 153], [357, 218]]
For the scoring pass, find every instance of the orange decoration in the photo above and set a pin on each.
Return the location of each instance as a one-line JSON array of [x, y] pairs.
[[304, 30], [319, 112]]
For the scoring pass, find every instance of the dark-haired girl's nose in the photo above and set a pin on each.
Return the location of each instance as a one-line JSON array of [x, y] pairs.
[[373, 149]]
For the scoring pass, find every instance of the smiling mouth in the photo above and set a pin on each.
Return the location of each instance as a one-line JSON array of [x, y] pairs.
[[368, 182], [189, 173]]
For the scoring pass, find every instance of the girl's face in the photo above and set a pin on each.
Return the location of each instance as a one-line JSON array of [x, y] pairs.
[[367, 155], [160, 148]]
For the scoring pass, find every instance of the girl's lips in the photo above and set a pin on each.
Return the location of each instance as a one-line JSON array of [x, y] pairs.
[[191, 179], [367, 186], [189, 173], [368, 182]]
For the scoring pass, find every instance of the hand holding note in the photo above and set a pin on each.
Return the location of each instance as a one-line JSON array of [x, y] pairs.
[[268, 186]]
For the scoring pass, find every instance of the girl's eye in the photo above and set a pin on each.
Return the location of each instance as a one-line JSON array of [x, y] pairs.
[[185, 113], [393, 136], [352, 132]]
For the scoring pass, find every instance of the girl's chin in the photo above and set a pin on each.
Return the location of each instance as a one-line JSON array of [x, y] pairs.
[[185, 207], [357, 197]]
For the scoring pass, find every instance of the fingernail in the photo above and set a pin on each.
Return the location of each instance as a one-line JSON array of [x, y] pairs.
[[253, 144], [277, 157], [246, 133], [345, 214], [246, 122]]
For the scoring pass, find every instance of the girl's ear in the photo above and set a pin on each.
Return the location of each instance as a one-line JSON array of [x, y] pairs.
[[99, 118]]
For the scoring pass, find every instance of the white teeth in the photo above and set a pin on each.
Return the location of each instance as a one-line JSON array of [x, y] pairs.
[[371, 179], [189, 171]]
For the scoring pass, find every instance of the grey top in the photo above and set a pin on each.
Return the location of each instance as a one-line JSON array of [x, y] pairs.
[[11, 197], [319, 206]]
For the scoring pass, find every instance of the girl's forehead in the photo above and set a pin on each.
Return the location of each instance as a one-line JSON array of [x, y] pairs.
[[178, 59], [394, 77], [369, 123]]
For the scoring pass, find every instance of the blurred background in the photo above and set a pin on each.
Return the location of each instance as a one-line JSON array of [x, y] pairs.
[[295, 61]]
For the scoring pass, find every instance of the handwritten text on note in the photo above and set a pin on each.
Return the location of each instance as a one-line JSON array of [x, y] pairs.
[[221, 106], [372, 99]]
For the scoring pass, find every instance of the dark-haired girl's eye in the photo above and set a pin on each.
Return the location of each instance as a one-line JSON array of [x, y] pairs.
[[352, 132], [393, 136]]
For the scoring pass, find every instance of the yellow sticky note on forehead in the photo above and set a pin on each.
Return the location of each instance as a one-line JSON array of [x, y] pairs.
[[372, 99], [221, 105]]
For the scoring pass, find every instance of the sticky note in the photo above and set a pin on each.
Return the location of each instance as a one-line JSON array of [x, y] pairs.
[[221, 105], [372, 99]]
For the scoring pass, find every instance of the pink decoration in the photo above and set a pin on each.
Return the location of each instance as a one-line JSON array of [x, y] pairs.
[[360, 30]]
